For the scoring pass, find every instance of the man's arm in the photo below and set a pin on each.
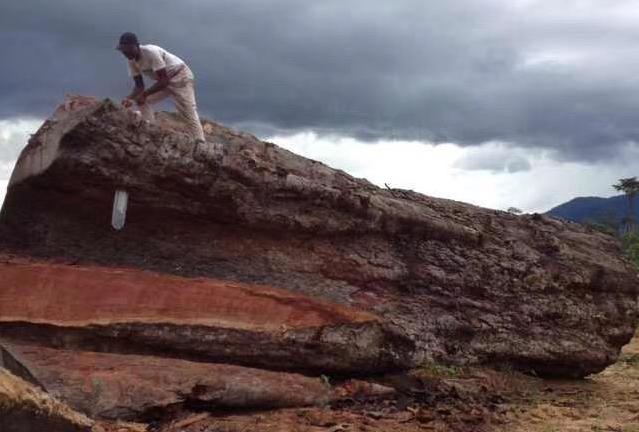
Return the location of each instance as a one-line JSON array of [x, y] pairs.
[[137, 91], [158, 65], [139, 87], [162, 83]]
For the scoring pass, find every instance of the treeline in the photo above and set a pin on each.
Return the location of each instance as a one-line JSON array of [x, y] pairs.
[[626, 229]]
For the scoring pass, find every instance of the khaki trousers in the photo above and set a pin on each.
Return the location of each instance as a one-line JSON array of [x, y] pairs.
[[182, 90]]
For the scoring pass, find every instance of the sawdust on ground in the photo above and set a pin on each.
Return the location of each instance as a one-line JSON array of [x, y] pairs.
[[605, 402]]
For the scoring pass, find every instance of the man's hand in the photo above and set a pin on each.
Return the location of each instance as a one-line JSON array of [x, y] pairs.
[[127, 103]]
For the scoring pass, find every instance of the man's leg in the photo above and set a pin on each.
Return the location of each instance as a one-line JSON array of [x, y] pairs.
[[184, 98], [146, 110]]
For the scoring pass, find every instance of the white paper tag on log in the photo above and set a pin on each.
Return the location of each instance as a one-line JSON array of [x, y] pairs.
[[119, 209]]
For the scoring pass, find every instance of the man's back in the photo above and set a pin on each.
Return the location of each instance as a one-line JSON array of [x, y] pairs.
[[152, 58]]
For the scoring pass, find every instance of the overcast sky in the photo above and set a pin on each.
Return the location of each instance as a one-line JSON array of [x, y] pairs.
[[496, 102]]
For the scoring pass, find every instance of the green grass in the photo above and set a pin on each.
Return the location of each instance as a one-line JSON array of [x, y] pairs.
[[437, 370], [630, 360]]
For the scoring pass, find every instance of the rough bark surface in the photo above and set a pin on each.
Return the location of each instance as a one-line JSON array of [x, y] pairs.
[[467, 285]]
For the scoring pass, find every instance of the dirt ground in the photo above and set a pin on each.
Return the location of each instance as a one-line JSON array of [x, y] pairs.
[[606, 402], [438, 398]]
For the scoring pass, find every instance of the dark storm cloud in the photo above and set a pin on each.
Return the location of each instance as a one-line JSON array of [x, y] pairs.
[[456, 71]]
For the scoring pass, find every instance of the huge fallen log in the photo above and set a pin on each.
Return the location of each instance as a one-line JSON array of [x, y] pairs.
[[468, 285]]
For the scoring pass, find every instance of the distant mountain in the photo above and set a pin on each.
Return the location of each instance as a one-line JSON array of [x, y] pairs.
[[593, 209]]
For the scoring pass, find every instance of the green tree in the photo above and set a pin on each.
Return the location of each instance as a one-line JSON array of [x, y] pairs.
[[630, 187], [631, 247], [607, 222]]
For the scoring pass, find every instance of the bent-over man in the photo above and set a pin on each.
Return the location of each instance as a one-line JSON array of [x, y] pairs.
[[173, 78]]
